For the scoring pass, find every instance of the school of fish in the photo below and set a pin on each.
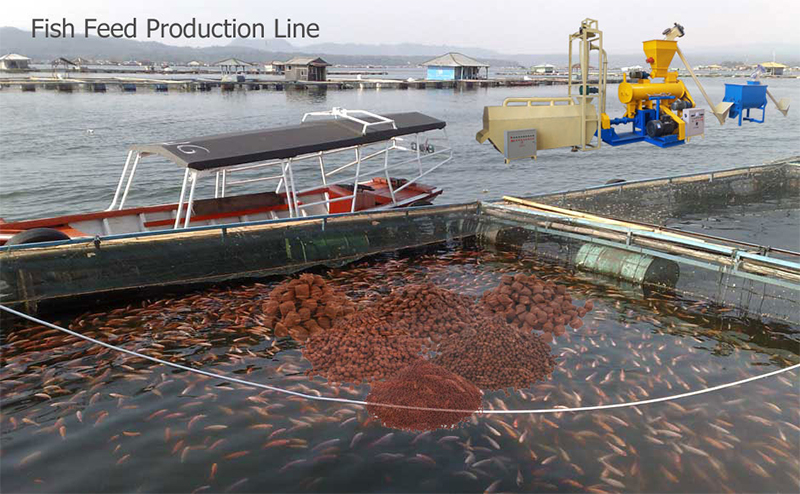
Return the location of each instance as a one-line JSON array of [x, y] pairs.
[[77, 417]]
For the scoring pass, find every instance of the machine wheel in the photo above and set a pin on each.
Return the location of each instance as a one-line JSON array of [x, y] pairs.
[[36, 235]]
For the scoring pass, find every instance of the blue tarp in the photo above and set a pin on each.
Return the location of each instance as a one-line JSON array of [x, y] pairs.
[[441, 73]]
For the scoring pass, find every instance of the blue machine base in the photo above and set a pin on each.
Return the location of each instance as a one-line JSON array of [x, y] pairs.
[[664, 142], [620, 139], [638, 134]]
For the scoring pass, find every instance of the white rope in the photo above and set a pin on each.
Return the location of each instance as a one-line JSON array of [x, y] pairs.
[[363, 403]]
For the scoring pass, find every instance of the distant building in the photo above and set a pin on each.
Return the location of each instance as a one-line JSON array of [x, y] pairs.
[[233, 66], [626, 69], [712, 66], [306, 69], [544, 68], [194, 63], [12, 61], [455, 67], [774, 68], [61, 67], [275, 67]]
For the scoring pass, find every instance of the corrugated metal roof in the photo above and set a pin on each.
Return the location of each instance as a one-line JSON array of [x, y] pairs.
[[307, 61], [233, 61], [14, 56], [773, 65], [63, 61], [454, 59]]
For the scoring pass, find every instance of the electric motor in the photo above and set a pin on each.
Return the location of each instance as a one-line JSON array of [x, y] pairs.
[[663, 127]]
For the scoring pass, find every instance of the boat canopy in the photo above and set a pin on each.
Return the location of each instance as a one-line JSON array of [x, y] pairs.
[[224, 150]]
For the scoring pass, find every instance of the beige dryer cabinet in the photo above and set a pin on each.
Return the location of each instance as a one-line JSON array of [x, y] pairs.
[[557, 121]]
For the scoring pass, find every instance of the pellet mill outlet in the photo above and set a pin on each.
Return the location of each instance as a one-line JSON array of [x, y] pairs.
[[658, 106]]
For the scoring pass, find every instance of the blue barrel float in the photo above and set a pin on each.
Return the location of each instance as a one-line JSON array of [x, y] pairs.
[[746, 97]]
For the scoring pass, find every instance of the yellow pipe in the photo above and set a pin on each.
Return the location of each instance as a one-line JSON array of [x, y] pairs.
[[641, 91]]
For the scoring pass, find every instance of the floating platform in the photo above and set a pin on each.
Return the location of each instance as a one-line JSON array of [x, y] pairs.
[[132, 84]]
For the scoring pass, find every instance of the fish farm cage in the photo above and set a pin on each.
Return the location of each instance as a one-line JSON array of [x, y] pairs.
[[637, 336], [634, 232], [642, 233]]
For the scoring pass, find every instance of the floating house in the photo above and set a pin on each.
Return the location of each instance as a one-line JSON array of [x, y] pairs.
[[455, 67], [233, 66], [275, 67], [774, 68], [306, 69], [82, 62], [13, 61], [544, 68]]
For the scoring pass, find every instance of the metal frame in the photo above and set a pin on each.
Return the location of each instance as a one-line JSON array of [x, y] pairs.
[[700, 254], [285, 176], [589, 32], [337, 112]]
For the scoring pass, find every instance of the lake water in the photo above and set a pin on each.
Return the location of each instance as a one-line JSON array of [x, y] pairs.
[[80, 418], [63, 153]]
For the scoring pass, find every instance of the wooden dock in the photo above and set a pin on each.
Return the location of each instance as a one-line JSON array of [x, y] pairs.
[[133, 84]]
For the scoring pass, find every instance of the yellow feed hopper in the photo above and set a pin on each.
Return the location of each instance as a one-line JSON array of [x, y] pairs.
[[557, 122]]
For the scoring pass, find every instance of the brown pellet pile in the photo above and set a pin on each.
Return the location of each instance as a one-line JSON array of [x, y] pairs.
[[495, 355], [427, 311], [303, 306], [424, 385], [528, 302], [360, 347]]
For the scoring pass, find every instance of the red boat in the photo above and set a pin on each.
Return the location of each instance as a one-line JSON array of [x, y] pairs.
[[338, 148]]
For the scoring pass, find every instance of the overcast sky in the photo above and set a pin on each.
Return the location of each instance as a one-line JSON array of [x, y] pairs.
[[514, 26]]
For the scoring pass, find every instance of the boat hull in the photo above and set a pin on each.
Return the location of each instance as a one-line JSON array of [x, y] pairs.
[[372, 195]]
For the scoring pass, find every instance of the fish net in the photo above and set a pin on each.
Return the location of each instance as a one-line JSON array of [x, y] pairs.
[[738, 248]]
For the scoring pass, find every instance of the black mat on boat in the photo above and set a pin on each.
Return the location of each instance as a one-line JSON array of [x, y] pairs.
[[217, 151]]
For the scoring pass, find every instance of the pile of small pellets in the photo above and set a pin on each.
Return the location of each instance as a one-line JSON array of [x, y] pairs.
[[360, 347], [528, 303], [424, 385], [427, 311], [495, 355], [304, 306]]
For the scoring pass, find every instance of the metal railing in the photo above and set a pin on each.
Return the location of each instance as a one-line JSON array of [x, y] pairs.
[[431, 149], [337, 113]]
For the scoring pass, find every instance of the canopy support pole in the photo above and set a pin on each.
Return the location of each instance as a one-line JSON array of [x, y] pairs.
[[121, 179], [130, 180], [180, 200], [191, 200], [386, 171], [291, 188], [355, 182]]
